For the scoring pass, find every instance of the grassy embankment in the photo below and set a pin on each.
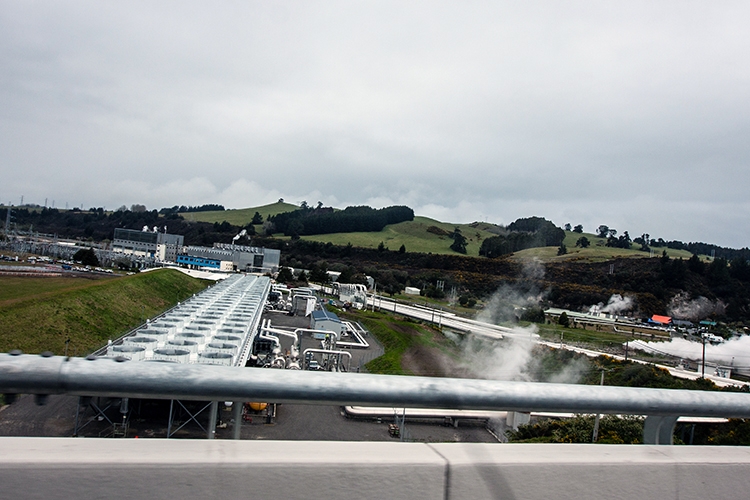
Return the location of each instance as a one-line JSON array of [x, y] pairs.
[[39, 314]]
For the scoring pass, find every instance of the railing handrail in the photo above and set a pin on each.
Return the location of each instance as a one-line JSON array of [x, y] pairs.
[[29, 374]]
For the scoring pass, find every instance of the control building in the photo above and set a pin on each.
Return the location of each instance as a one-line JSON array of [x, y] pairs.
[[230, 258], [159, 246]]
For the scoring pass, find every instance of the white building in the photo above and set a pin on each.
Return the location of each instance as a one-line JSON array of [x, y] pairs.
[[160, 246]]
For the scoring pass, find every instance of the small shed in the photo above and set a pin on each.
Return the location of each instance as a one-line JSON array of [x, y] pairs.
[[326, 320]]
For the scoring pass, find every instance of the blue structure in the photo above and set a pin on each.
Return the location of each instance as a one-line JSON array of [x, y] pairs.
[[198, 261]]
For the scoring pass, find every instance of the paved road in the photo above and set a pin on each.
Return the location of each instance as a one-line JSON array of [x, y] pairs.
[[439, 317]]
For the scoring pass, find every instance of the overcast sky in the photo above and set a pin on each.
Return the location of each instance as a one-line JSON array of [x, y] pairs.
[[631, 114]]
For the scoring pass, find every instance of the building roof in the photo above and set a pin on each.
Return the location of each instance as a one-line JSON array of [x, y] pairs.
[[680, 322], [664, 320], [323, 315]]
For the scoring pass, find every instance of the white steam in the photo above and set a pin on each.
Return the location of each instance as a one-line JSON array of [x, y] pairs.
[[734, 352], [682, 307], [503, 305], [572, 372], [500, 360], [617, 304], [512, 359], [533, 269]]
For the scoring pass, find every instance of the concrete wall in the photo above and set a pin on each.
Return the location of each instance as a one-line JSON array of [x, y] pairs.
[[51, 468]]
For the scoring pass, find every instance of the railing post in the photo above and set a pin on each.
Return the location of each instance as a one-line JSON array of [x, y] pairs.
[[211, 430], [237, 415], [659, 429]]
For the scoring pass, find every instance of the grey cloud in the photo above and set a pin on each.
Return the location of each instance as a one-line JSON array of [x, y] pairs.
[[633, 114]]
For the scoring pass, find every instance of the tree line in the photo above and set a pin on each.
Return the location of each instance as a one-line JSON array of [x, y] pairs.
[[98, 225], [209, 207], [325, 220], [529, 232]]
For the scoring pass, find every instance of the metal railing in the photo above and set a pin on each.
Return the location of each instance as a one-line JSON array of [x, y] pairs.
[[117, 377]]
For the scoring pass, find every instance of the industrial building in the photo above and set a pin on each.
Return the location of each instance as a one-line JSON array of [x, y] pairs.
[[162, 247], [326, 320], [230, 258]]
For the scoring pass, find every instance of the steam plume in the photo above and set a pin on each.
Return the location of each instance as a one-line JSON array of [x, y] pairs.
[[683, 308], [734, 352], [616, 304]]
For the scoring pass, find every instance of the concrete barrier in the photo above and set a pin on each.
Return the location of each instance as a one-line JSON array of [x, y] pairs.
[[51, 468]]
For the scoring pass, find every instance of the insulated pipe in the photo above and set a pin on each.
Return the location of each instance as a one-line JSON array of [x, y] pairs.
[[361, 342], [310, 330], [264, 336], [329, 351], [268, 328], [27, 374]]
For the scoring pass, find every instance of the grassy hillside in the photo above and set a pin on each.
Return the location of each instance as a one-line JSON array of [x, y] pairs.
[[414, 235], [38, 314], [242, 216], [597, 252]]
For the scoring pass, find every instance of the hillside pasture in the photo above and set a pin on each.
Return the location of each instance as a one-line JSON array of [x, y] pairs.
[[598, 251], [419, 235], [241, 216]]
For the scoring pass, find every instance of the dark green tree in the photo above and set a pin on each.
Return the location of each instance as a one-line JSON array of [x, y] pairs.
[[388, 283], [402, 249], [533, 314], [696, 265], [578, 229], [347, 275], [467, 301], [562, 249], [319, 273], [564, 320], [583, 242], [285, 275], [459, 241], [87, 257], [257, 218]]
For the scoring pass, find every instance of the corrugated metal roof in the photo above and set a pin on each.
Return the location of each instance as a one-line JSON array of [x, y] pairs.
[[664, 320], [324, 314]]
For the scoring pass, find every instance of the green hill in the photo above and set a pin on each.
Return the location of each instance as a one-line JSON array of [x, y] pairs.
[[38, 314], [420, 235], [240, 216], [431, 236], [596, 252]]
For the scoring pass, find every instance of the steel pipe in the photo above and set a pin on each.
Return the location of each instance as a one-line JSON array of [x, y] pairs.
[[27, 374]]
